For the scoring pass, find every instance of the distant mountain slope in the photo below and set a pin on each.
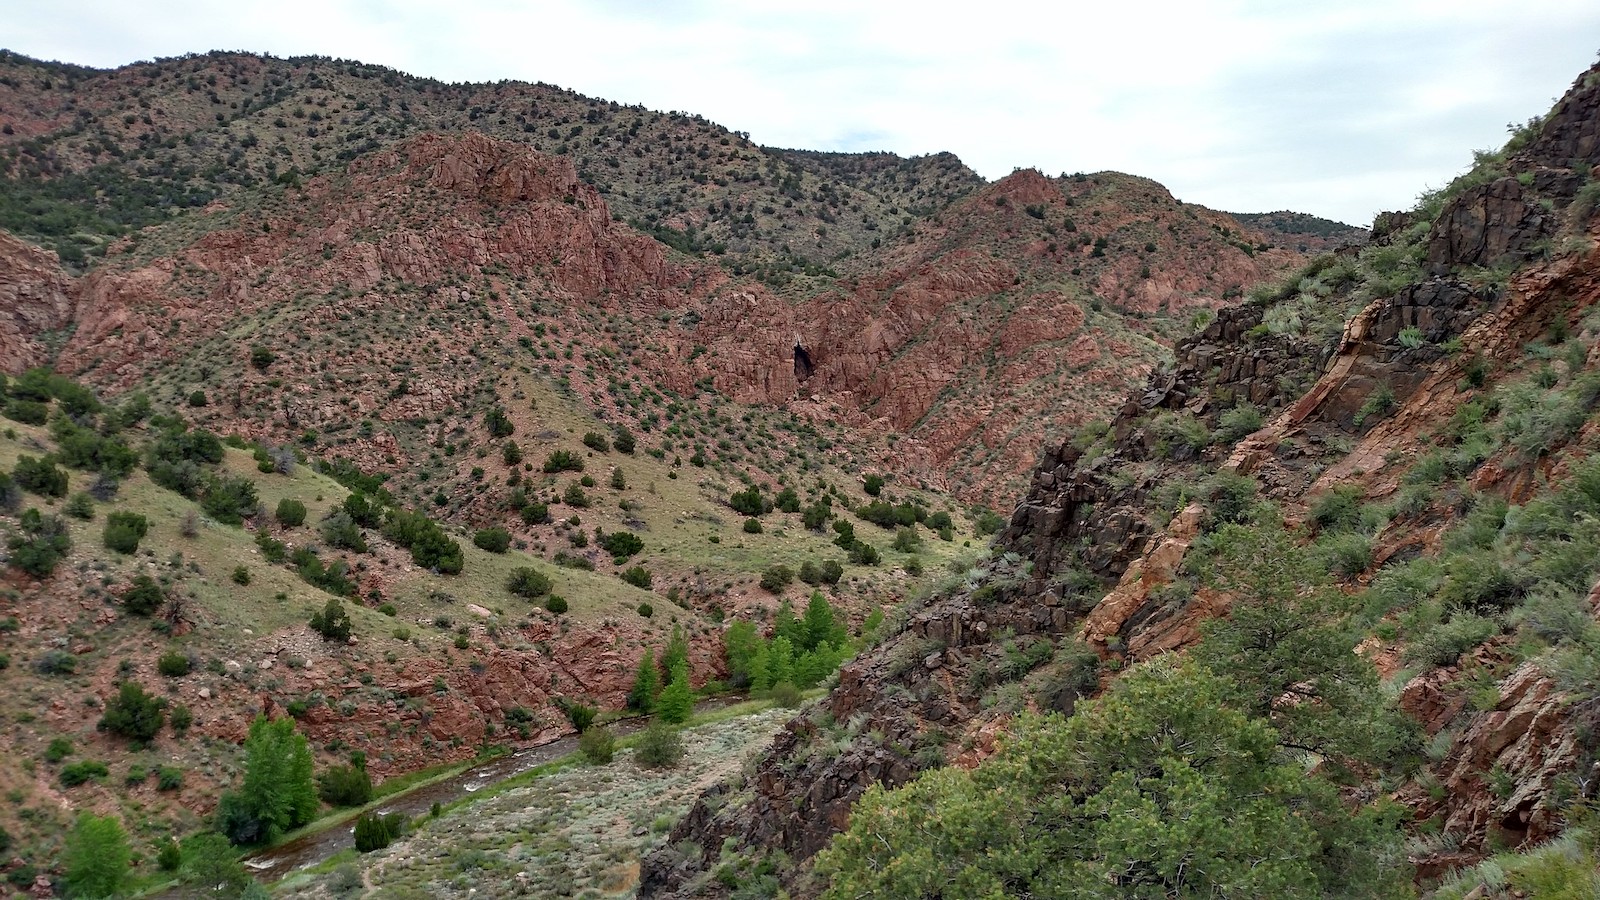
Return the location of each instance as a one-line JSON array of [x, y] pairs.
[[1302, 232], [91, 152]]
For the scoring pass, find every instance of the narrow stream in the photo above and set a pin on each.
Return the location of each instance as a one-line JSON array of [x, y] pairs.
[[276, 862]]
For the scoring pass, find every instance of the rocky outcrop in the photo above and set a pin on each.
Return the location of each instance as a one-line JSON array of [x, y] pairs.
[[1490, 225], [36, 300]]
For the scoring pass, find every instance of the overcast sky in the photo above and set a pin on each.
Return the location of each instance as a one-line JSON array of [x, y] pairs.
[[1340, 108]]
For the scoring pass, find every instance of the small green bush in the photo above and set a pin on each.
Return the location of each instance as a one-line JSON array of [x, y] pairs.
[[556, 603], [79, 772], [596, 441], [493, 540], [124, 530], [144, 596], [598, 745], [752, 526], [659, 747], [291, 513], [173, 664], [638, 576], [528, 582]]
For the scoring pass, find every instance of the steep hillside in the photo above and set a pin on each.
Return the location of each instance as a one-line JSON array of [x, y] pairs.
[[1380, 469], [962, 346], [92, 152]]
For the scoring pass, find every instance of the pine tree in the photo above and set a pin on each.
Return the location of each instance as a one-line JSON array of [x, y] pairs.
[[676, 702], [784, 624], [96, 857], [646, 683], [819, 626], [780, 661], [760, 668], [677, 652]]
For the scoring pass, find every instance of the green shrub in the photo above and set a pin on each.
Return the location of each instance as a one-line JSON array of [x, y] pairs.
[[1178, 435], [598, 745], [173, 664], [784, 694], [124, 530], [375, 831], [291, 513], [556, 604], [169, 778], [240, 575], [340, 530], [493, 540], [345, 786], [562, 461], [40, 543], [752, 526], [134, 713], [776, 578], [1378, 404], [1443, 644], [645, 610], [180, 719], [575, 497], [80, 506], [579, 714], [60, 748], [1338, 510], [749, 502], [873, 485], [79, 772], [498, 423], [528, 582], [28, 412], [1346, 553], [659, 747], [622, 544], [40, 476], [596, 441], [56, 662], [333, 623], [1238, 422], [623, 440], [906, 539], [638, 576], [229, 499], [144, 596]]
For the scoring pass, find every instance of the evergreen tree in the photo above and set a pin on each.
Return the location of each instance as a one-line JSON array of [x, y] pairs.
[[96, 857], [780, 661], [676, 702], [133, 713], [212, 867], [784, 624], [739, 644], [760, 668], [646, 683], [677, 652], [819, 625]]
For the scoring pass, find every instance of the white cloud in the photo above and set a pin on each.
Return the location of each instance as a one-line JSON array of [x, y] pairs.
[[1340, 109]]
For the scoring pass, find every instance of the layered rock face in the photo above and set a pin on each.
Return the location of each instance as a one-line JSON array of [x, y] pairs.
[[36, 301]]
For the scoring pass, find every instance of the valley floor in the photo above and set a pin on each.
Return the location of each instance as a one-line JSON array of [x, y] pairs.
[[579, 831]]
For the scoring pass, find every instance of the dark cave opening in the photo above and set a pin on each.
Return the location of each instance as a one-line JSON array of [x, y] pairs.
[[803, 367]]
